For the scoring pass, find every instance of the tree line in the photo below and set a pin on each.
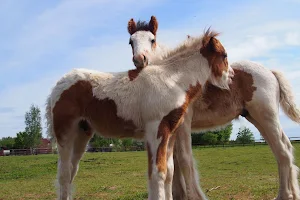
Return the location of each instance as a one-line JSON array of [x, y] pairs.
[[31, 136], [220, 137]]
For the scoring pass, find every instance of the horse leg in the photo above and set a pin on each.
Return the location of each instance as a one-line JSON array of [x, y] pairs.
[[72, 137], [157, 139], [178, 184], [170, 168], [64, 170], [184, 156], [79, 148], [269, 126]]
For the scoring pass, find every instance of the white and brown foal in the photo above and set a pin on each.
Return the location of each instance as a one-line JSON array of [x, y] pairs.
[[146, 104], [255, 93]]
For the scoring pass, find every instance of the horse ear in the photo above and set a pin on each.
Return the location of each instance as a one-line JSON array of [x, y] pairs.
[[215, 45], [153, 25], [209, 42], [131, 27]]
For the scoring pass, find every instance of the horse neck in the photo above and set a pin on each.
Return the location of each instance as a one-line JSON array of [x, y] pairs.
[[188, 71], [159, 52], [163, 49]]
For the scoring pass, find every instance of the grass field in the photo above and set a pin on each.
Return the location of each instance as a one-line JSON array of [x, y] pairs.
[[241, 172]]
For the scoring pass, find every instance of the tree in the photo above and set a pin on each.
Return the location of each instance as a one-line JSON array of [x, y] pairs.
[[33, 127], [210, 138], [7, 142], [21, 140], [126, 143], [117, 144], [99, 141], [245, 136], [223, 136], [140, 145], [197, 139]]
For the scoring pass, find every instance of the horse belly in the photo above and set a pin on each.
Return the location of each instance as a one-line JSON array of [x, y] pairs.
[[103, 117], [116, 130], [207, 119]]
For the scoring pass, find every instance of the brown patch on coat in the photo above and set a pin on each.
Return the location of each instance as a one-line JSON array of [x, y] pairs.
[[150, 160], [214, 52], [78, 102], [245, 84], [164, 132], [217, 106], [170, 123], [68, 108], [133, 73], [151, 26]]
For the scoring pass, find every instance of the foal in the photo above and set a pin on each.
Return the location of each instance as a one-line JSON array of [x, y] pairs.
[[146, 104], [252, 86]]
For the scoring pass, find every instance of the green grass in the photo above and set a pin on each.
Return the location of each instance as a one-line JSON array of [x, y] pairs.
[[241, 172]]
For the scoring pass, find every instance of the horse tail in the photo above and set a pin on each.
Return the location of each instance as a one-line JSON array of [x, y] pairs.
[[49, 121], [287, 100]]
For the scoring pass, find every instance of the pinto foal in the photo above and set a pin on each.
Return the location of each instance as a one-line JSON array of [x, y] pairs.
[[148, 104], [252, 86]]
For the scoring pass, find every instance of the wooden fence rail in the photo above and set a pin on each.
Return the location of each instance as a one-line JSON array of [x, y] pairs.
[[36, 151]]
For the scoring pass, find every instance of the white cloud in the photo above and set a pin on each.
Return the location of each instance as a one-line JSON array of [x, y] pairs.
[[251, 47], [112, 57], [20, 98], [293, 75], [55, 30], [241, 41], [293, 38], [292, 1]]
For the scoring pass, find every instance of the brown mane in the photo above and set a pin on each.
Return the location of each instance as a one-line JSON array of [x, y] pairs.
[[210, 36], [193, 44]]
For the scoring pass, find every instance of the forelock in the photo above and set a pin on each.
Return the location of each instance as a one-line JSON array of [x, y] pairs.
[[142, 26]]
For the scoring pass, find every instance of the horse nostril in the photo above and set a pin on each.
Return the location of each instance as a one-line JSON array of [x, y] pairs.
[[145, 59]]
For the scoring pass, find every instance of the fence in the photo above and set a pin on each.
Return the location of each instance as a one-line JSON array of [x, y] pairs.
[[233, 144], [228, 145], [118, 149], [36, 151]]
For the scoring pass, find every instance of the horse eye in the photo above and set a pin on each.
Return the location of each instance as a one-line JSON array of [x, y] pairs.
[[225, 55], [153, 41]]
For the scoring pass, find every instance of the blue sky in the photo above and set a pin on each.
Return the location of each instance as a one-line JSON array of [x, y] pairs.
[[42, 40]]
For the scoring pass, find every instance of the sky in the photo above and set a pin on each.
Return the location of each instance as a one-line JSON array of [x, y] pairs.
[[42, 40]]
